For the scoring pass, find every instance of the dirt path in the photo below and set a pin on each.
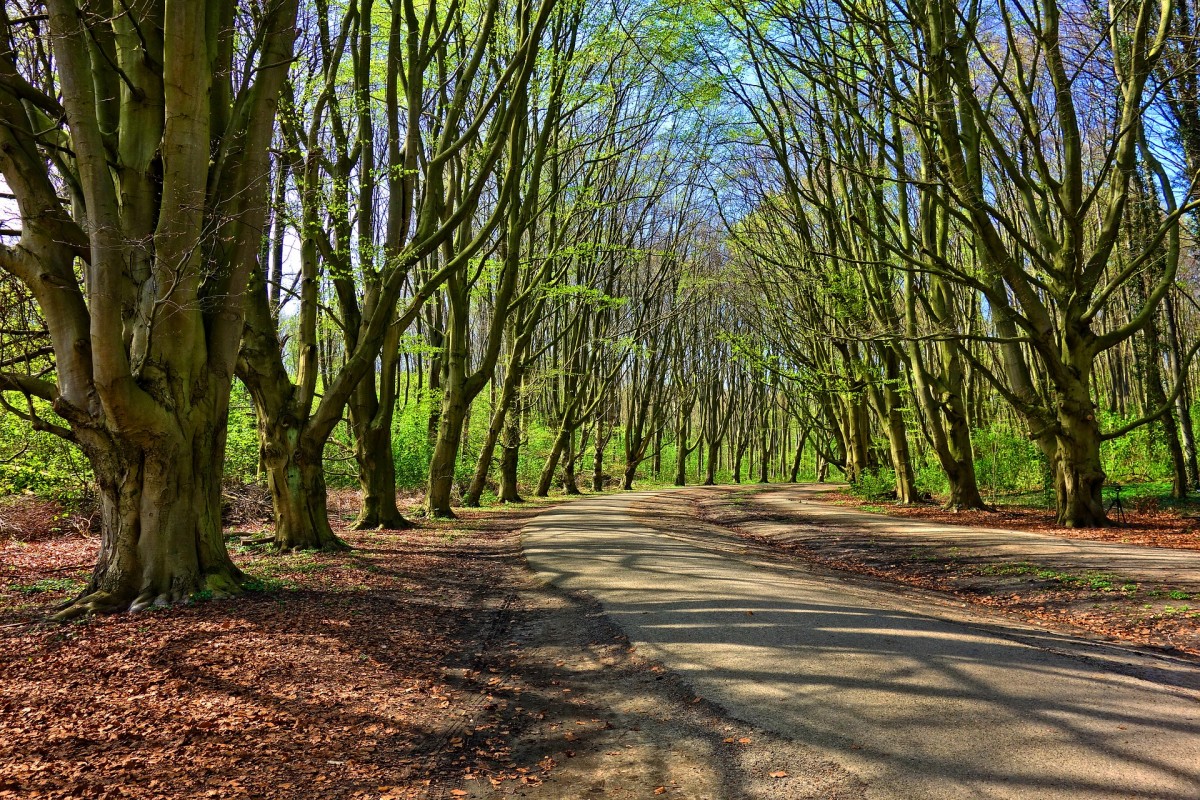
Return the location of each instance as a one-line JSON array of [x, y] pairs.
[[909, 694]]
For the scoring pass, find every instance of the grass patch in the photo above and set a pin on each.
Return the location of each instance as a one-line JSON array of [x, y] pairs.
[[64, 585], [1094, 581]]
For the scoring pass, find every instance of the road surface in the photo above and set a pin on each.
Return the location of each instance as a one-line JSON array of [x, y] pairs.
[[916, 697]]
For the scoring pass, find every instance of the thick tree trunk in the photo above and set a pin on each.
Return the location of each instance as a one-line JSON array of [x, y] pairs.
[[629, 473], [739, 454], [160, 506], [371, 416], [570, 482], [510, 452], [959, 464], [857, 438], [1080, 477], [794, 475], [509, 455], [710, 466]]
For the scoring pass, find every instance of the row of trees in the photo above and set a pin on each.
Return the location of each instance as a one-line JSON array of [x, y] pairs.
[[942, 192], [300, 197], [727, 234]]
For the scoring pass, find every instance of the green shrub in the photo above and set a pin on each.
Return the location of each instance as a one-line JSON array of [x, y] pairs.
[[877, 484], [1006, 460]]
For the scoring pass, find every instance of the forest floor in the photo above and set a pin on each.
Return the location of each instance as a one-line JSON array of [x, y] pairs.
[[429, 664], [422, 664], [1064, 592], [1147, 521]]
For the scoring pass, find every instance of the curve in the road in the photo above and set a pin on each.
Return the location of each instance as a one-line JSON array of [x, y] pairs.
[[916, 702]]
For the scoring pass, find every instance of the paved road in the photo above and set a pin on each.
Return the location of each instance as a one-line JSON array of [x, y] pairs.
[[919, 699]]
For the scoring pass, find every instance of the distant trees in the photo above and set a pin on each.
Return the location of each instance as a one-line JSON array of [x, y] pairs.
[[993, 196]]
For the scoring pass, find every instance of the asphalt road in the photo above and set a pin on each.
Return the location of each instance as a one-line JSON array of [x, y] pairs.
[[917, 698]]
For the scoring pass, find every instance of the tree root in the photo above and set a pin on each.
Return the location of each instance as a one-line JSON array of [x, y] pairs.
[[92, 603], [216, 586], [328, 544], [955, 508], [399, 523]]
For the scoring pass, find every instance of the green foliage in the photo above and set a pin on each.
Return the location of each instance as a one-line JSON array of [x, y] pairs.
[[879, 484], [411, 449], [1139, 456], [241, 439], [1006, 460], [40, 462]]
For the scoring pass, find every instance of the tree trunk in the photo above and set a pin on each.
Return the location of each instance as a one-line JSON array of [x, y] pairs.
[[681, 451], [598, 458], [377, 478], [1080, 477], [296, 478], [764, 467], [483, 466], [510, 452], [795, 472], [710, 466], [959, 466], [570, 483], [160, 505], [658, 444], [857, 440], [547, 476], [1183, 403], [445, 451]]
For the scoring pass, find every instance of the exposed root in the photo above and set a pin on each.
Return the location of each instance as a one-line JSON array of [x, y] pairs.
[[224, 586], [955, 508], [328, 544], [93, 603], [398, 523], [214, 586]]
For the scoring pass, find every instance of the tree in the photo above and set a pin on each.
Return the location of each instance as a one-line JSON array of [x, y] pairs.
[[160, 143]]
